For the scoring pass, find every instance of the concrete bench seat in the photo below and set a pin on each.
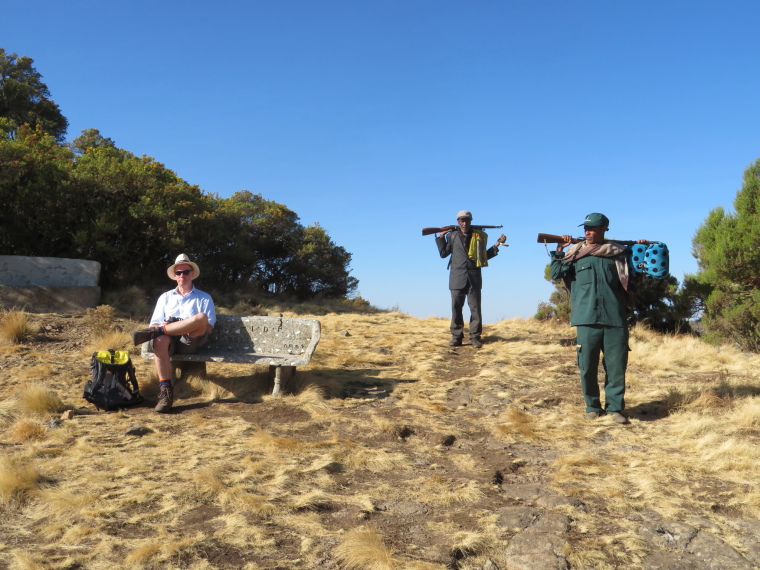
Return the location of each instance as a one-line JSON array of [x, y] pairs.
[[279, 342]]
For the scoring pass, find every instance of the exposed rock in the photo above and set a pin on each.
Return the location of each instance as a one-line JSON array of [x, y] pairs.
[[517, 518], [714, 553], [404, 508], [552, 522], [670, 561], [67, 415], [137, 430], [524, 493], [696, 548], [536, 550], [550, 501], [703, 523], [669, 534]]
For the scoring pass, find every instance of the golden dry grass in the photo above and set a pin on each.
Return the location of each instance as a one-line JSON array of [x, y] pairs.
[[15, 327], [385, 420]]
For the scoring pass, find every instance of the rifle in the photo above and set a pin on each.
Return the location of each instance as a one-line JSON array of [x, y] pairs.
[[428, 231], [550, 238]]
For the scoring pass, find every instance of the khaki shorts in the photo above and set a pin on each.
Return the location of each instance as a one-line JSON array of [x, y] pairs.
[[185, 344]]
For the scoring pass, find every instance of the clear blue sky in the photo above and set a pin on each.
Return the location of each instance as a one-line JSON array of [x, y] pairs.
[[377, 118]]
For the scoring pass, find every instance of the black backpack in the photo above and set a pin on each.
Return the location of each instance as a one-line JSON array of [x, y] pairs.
[[113, 384]]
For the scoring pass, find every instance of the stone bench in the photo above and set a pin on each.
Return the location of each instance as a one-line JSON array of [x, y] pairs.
[[279, 342]]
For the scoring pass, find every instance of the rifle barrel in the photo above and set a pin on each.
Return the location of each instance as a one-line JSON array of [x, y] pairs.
[[428, 231], [551, 238]]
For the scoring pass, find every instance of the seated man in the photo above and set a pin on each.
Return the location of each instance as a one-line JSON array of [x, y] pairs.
[[181, 322]]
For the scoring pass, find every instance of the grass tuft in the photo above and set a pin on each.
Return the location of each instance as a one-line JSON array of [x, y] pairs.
[[16, 328], [26, 431], [17, 479], [363, 549], [37, 399]]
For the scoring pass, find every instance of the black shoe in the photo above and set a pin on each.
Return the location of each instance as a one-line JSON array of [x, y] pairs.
[[476, 342], [139, 337], [455, 342]]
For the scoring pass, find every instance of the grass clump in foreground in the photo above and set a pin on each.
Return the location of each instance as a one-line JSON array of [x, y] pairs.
[[16, 328]]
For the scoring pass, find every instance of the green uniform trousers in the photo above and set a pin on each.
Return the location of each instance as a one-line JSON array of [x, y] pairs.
[[613, 343]]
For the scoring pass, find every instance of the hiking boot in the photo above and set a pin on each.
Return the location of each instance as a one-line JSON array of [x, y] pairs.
[[165, 399], [618, 418], [592, 415], [455, 342], [476, 342], [139, 337]]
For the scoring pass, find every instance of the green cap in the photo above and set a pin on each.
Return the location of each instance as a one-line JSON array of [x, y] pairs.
[[596, 220]]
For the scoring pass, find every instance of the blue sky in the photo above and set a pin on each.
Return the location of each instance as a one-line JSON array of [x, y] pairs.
[[376, 119]]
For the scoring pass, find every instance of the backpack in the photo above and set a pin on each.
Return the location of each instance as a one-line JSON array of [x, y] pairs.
[[652, 260], [113, 384]]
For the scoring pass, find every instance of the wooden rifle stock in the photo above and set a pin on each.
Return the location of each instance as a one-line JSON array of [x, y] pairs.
[[551, 238], [428, 231]]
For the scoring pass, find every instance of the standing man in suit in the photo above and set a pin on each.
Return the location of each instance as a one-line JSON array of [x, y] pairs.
[[467, 248]]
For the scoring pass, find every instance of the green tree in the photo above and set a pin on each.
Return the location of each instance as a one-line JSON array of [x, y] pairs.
[[558, 307], [727, 283], [319, 267], [25, 99], [40, 205], [139, 213]]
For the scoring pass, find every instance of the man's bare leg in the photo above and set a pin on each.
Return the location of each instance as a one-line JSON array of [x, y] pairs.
[[194, 327]]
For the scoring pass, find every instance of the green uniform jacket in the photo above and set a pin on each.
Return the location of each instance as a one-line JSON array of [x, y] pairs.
[[596, 295]]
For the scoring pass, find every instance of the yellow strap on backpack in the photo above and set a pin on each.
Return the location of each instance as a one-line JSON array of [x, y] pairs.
[[112, 357]]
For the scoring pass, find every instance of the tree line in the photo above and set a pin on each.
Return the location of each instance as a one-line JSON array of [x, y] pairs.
[[89, 199]]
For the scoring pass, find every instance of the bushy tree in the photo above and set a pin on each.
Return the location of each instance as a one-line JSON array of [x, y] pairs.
[[40, 207], [558, 307], [138, 212], [25, 99], [318, 267], [726, 285]]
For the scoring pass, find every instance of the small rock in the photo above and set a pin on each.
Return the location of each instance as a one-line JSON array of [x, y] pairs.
[[67, 415], [345, 333], [136, 429], [54, 423]]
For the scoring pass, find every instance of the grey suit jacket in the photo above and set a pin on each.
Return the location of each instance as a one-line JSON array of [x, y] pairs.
[[463, 269]]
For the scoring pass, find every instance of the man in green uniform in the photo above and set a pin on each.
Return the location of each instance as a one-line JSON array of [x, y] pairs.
[[595, 272]]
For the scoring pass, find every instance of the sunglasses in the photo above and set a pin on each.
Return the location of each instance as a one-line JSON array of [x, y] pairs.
[[183, 272]]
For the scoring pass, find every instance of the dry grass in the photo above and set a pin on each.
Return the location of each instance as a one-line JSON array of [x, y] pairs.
[[388, 452], [363, 549], [16, 328]]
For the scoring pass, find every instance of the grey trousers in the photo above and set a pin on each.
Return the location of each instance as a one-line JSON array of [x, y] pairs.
[[458, 297]]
